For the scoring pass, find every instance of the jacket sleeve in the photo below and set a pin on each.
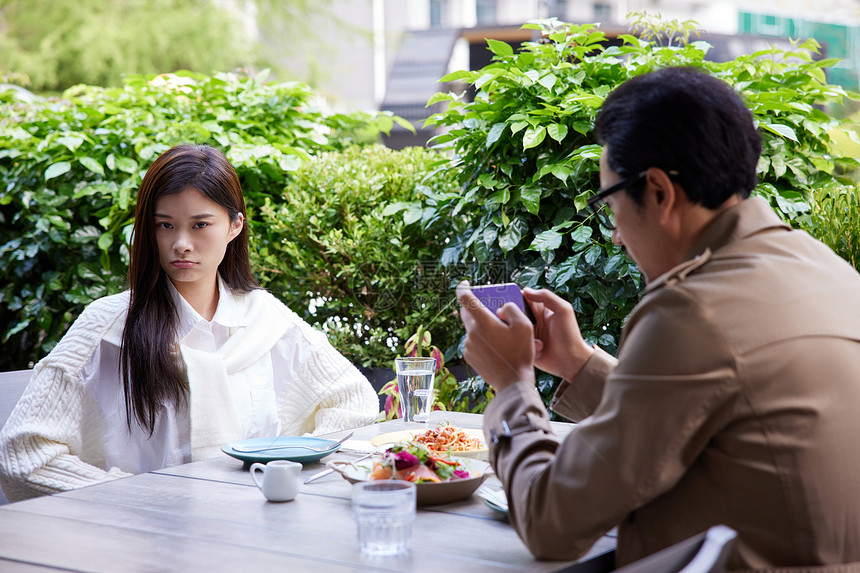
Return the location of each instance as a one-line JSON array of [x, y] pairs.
[[42, 441], [673, 388], [326, 393], [578, 400]]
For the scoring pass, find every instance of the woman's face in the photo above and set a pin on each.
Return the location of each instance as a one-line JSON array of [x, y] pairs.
[[192, 233]]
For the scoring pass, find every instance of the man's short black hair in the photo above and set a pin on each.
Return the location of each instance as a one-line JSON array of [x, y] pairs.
[[681, 119]]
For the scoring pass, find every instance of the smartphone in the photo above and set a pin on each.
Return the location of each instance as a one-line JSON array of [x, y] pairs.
[[494, 296]]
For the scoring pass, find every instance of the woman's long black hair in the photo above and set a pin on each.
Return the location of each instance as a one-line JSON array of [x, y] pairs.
[[150, 364]]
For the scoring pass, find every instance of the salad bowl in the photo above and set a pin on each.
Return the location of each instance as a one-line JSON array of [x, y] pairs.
[[428, 493]]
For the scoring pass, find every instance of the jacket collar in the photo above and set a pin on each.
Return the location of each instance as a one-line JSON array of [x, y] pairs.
[[747, 218]]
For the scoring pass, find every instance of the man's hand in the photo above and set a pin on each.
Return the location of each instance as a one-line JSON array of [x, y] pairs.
[[500, 348], [559, 346]]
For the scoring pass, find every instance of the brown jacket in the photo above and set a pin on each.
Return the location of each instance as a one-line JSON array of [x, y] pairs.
[[735, 399]]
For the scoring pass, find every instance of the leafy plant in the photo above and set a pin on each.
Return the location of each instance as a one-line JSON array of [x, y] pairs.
[[527, 159], [330, 238], [70, 168]]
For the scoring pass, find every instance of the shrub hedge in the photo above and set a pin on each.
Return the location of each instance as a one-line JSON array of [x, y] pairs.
[[373, 278]]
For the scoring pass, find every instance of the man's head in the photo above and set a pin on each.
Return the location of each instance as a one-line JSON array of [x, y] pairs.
[[685, 121]]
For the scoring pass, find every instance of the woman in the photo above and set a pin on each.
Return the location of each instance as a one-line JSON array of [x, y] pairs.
[[193, 356]]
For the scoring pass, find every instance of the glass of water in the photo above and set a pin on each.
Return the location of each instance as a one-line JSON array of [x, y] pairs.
[[384, 511], [415, 377]]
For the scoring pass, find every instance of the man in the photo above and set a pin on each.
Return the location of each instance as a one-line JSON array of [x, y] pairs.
[[735, 398]]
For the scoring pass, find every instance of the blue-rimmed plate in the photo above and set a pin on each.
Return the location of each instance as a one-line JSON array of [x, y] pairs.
[[286, 448], [502, 511]]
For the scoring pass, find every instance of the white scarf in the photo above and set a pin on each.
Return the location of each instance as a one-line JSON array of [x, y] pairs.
[[256, 324], [255, 328]]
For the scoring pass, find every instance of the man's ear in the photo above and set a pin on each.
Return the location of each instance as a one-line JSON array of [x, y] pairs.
[[661, 190]]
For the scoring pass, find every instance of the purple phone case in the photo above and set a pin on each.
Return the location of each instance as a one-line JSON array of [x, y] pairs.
[[494, 296]]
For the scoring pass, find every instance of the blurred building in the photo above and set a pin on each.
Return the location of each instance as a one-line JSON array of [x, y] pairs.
[[390, 54]]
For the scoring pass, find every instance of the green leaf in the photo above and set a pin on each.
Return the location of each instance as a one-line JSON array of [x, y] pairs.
[[582, 234], [126, 165], [533, 137], [57, 169], [518, 126], [72, 142], [393, 208], [512, 236], [500, 197], [557, 131], [479, 83], [105, 241], [499, 48], [495, 133], [592, 255], [456, 76], [547, 241], [487, 181], [566, 270], [614, 263], [92, 165], [530, 197], [412, 215], [439, 97], [561, 172], [779, 129], [404, 123], [548, 81]]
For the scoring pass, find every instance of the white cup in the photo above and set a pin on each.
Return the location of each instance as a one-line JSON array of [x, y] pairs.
[[280, 479]]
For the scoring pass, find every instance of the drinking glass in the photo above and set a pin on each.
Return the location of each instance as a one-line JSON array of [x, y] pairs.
[[384, 512], [415, 384]]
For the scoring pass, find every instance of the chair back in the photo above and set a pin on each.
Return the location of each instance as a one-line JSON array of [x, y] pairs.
[[12, 386], [706, 552], [703, 553]]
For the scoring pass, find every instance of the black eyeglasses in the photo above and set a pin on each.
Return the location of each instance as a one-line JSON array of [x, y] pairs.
[[598, 203]]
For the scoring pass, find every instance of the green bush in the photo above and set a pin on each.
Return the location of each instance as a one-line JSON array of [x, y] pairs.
[[372, 278], [527, 158], [835, 220], [70, 168]]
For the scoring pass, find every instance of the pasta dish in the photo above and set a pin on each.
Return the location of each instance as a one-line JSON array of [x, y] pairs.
[[448, 439]]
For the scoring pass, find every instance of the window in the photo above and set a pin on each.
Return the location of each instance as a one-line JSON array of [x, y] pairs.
[[557, 9], [602, 12], [485, 11], [436, 13]]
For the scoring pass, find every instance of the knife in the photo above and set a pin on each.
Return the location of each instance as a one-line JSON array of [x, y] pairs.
[[324, 473]]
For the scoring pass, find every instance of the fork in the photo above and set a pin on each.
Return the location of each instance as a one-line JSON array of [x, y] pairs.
[[267, 448], [497, 498]]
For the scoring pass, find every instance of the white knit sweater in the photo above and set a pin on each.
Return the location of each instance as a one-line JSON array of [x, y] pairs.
[[70, 430]]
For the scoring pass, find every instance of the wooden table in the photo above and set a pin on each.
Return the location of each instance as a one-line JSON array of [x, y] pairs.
[[208, 516]]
